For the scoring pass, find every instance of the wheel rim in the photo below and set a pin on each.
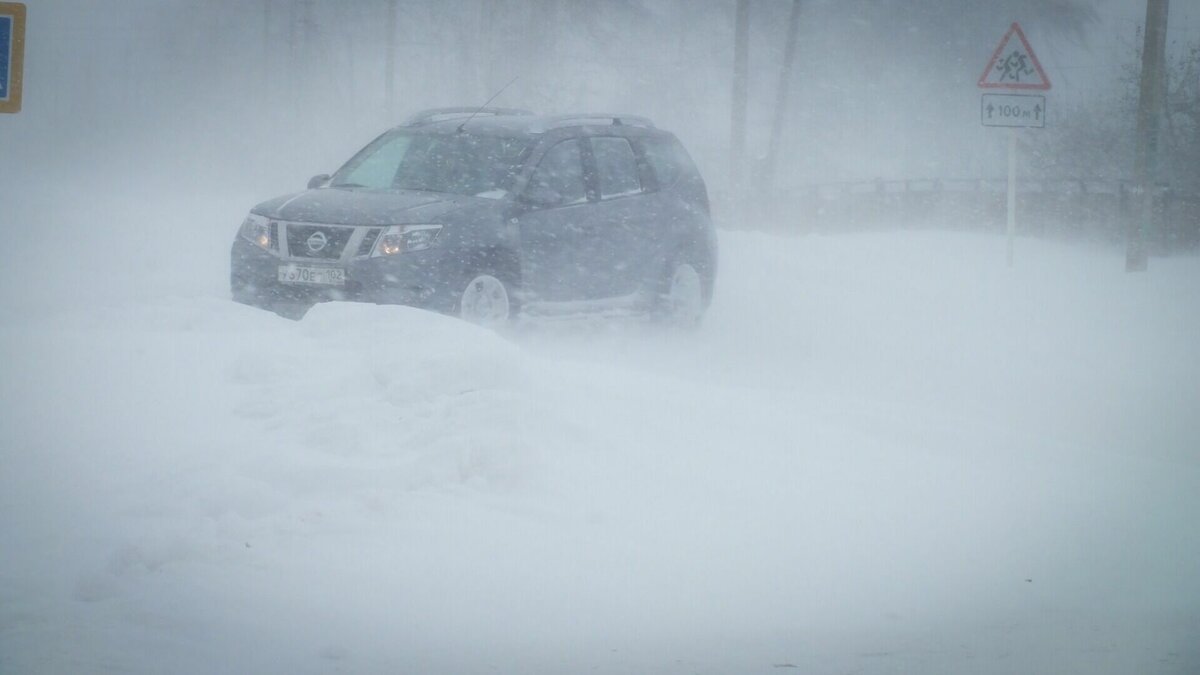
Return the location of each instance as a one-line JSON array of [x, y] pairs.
[[685, 299], [484, 302]]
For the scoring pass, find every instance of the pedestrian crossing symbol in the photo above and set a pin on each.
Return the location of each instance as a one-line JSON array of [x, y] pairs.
[[1014, 65]]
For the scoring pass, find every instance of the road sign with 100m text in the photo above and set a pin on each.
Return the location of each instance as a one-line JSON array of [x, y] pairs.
[[1013, 66], [1013, 110], [12, 53]]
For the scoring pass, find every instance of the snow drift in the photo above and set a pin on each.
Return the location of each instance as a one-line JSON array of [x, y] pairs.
[[880, 452]]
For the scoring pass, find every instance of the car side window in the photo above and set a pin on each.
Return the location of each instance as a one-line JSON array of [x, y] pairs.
[[561, 170], [616, 167], [664, 159]]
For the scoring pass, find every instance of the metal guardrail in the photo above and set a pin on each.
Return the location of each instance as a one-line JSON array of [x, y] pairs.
[[1050, 185], [1097, 208]]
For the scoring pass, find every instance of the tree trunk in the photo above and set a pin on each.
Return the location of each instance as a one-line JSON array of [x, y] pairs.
[[265, 66], [781, 97], [741, 67], [389, 65]]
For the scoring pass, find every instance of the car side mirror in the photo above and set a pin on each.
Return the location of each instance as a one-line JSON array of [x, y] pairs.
[[541, 196], [318, 181]]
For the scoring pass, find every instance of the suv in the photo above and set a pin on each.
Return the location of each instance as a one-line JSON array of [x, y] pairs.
[[483, 213]]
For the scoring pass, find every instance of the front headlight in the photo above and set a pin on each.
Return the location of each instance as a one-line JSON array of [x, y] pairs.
[[404, 238], [256, 229]]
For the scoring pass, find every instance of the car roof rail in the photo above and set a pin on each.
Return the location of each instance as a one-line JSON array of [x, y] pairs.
[[443, 114], [579, 119]]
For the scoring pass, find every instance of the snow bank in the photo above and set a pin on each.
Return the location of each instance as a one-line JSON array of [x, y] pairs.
[[880, 453]]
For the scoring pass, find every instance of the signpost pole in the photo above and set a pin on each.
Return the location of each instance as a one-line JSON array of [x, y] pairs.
[[1012, 191], [1013, 66]]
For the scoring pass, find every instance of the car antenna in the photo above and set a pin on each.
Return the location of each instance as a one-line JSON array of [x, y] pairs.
[[493, 98]]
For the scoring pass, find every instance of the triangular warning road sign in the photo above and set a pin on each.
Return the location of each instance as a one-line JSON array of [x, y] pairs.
[[1014, 65]]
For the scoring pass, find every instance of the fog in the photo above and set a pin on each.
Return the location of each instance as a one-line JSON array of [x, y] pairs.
[[186, 115], [883, 449]]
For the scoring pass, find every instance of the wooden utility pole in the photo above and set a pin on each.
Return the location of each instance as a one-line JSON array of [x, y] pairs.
[[1149, 118], [781, 95], [741, 76]]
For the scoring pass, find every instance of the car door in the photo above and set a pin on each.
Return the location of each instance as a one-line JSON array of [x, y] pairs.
[[552, 231], [623, 242]]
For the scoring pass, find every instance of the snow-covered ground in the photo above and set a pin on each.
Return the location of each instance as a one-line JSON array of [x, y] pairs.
[[881, 453]]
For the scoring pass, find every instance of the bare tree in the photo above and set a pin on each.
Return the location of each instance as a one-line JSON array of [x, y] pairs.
[[781, 96], [389, 65], [741, 88]]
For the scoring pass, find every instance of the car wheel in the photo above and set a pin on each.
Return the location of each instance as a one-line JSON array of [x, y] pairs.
[[486, 301], [682, 302]]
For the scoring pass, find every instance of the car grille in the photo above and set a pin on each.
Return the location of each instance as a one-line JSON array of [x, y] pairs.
[[318, 242], [368, 242]]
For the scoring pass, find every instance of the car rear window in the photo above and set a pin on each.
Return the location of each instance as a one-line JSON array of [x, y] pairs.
[[666, 158]]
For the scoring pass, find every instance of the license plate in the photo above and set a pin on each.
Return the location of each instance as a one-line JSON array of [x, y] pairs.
[[321, 276]]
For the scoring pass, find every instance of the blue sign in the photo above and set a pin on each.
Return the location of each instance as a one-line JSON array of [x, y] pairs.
[[12, 55], [6, 41]]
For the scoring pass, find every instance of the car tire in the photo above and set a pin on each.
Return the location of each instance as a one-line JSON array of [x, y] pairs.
[[680, 301], [486, 299]]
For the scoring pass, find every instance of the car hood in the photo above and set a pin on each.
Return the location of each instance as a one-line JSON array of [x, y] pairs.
[[338, 206]]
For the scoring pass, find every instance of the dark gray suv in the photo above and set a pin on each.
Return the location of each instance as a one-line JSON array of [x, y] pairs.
[[485, 213]]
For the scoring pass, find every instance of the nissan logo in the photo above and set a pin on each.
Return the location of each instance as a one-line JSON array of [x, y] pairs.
[[316, 242]]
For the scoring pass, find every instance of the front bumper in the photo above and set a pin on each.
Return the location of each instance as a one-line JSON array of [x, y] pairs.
[[419, 278]]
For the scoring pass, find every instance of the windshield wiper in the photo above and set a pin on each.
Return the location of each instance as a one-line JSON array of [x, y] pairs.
[[347, 185]]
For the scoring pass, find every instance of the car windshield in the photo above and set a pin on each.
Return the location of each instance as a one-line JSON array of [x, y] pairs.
[[462, 164]]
